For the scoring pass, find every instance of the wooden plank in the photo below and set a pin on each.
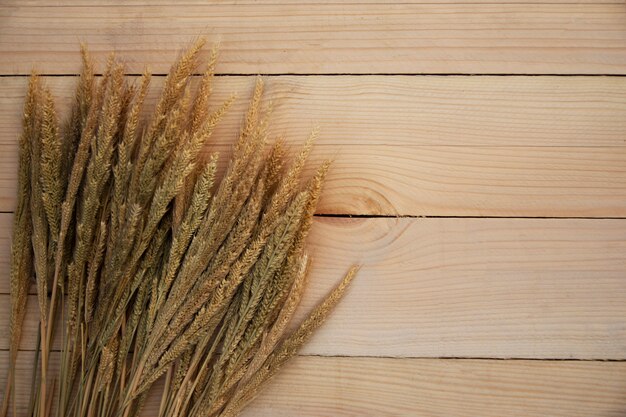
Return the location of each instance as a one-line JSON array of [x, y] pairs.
[[523, 288], [351, 387], [402, 110], [453, 181], [459, 181], [65, 3], [383, 387], [522, 177], [331, 38]]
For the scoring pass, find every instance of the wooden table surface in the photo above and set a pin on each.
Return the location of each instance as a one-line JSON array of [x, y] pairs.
[[480, 179]]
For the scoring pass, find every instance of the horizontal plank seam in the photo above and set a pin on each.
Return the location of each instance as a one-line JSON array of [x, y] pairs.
[[345, 74], [440, 146], [445, 358], [471, 358], [417, 216], [519, 3]]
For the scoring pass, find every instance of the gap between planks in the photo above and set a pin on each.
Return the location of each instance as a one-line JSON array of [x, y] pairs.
[[109, 3], [399, 358], [339, 74]]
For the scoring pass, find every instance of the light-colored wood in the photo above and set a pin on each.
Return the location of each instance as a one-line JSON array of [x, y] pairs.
[[406, 178], [379, 387], [356, 387], [6, 231], [460, 181], [430, 288], [331, 38], [557, 140], [374, 179], [454, 181], [502, 288], [183, 3], [401, 110]]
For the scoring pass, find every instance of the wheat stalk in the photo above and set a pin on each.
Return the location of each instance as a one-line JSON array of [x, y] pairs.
[[150, 264]]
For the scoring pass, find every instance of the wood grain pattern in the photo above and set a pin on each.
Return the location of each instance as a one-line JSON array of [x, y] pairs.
[[548, 174], [331, 38], [65, 3], [379, 387], [460, 181], [357, 387], [496, 288], [402, 110], [432, 292], [453, 181]]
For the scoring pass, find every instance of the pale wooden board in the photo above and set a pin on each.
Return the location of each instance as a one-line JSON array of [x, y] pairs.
[[331, 38], [65, 3], [458, 288], [379, 387], [401, 110], [470, 146], [453, 181], [354, 387], [540, 175]]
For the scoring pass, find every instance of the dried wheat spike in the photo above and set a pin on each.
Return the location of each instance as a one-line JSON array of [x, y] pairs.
[[152, 259]]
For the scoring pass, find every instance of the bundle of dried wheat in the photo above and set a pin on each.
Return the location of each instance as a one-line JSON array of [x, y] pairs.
[[148, 267]]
